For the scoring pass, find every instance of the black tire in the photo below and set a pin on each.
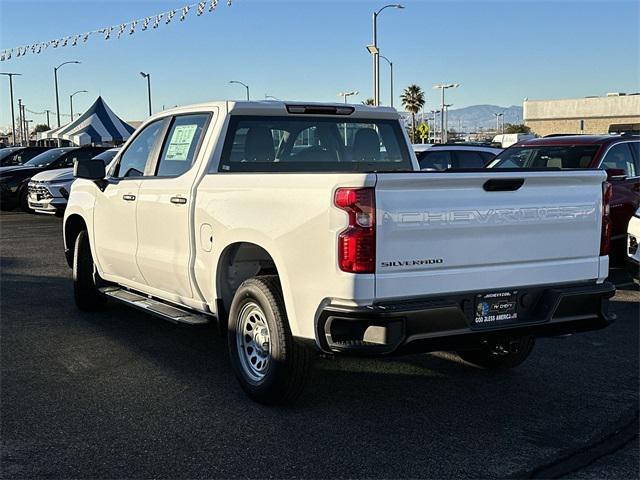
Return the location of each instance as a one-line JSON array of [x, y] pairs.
[[289, 361], [85, 291], [23, 200], [518, 349]]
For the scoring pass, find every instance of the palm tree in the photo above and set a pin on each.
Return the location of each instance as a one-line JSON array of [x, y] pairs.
[[412, 101], [368, 101]]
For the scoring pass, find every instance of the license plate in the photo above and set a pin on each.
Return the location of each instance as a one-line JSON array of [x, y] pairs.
[[496, 308]]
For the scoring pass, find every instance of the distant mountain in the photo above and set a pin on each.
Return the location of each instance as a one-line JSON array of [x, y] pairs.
[[475, 117]]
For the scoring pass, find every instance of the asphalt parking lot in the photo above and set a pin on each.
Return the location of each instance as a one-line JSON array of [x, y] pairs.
[[121, 394]]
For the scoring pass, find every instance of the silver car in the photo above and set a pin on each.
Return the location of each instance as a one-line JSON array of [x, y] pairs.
[[49, 190]]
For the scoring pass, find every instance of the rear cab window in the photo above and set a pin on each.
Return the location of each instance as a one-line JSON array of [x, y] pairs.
[[313, 144]]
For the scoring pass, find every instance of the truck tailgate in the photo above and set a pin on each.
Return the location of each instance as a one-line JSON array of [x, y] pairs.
[[454, 232]]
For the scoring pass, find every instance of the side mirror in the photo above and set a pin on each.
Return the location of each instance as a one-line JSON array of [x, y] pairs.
[[89, 169], [616, 174]]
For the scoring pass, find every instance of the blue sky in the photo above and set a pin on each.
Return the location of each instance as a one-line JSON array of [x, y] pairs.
[[500, 51]]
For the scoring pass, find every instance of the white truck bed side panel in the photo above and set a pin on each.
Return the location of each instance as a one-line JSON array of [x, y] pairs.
[[292, 217]]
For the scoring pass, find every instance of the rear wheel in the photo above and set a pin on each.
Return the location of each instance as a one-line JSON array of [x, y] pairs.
[[501, 354], [271, 366], [85, 292]]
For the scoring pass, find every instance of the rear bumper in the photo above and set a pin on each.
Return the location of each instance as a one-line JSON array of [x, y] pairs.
[[446, 323]]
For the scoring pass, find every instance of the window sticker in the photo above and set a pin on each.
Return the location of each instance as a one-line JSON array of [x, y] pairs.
[[180, 142]]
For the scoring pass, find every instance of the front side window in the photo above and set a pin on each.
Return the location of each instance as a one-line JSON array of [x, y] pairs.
[[134, 159], [620, 157], [313, 144], [181, 144]]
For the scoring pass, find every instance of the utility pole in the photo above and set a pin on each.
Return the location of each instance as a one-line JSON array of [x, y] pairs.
[[13, 118], [26, 124], [48, 112], [20, 122]]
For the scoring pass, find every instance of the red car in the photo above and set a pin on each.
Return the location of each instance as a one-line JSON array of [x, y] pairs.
[[619, 155]]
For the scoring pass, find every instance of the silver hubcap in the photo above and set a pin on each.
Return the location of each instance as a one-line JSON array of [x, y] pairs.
[[253, 341]]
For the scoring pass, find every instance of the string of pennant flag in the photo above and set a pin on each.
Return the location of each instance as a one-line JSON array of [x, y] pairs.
[[130, 28]]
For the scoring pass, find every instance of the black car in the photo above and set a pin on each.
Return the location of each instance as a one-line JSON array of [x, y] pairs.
[[13, 156], [14, 179]]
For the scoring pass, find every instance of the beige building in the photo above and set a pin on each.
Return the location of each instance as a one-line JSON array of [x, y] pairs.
[[590, 115]]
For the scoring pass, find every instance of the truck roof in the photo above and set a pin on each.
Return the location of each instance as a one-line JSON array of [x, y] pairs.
[[277, 107]]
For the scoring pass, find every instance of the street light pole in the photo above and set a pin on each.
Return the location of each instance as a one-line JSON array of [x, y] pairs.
[[71, 100], [498, 115], [391, 78], [347, 95], [13, 118], [446, 120], [443, 87], [375, 52], [243, 84], [148, 77], [55, 77]]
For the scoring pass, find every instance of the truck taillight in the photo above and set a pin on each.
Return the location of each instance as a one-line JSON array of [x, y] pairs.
[[605, 236], [357, 243]]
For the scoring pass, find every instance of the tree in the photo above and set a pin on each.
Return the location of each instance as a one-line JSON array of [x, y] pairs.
[[412, 101], [368, 101], [516, 128], [41, 127]]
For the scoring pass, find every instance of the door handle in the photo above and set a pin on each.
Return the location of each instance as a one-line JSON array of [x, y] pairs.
[[178, 200], [129, 197]]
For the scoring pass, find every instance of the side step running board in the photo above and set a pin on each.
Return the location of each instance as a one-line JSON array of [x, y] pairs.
[[155, 307]]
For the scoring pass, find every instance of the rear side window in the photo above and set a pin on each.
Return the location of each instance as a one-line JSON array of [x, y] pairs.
[[434, 160], [313, 144], [468, 159], [547, 156], [620, 157], [181, 144], [134, 159]]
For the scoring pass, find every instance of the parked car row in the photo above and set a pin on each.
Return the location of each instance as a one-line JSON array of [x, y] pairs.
[[49, 190], [14, 179]]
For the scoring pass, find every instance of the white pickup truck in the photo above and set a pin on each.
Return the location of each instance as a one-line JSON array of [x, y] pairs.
[[306, 227]]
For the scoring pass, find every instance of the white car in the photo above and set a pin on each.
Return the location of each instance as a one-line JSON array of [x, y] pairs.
[[49, 190], [440, 157], [633, 238], [307, 228]]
